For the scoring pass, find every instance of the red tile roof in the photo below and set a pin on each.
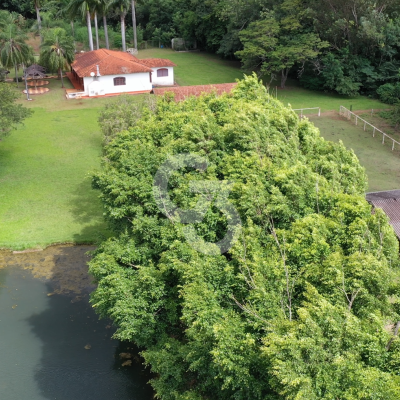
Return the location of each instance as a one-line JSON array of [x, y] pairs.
[[389, 202], [181, 92], [156, 62], [112, 62]]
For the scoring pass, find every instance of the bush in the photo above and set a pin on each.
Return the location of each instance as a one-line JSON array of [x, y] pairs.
[[3, 74], [81, 34], [117, 39], [389, 93]]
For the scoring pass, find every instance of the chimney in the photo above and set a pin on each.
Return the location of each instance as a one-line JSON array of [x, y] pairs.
[[98, 71]]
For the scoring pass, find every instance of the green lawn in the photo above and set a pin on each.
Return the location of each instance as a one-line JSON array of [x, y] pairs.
[[45, 193], [197, 68], [381, 163], [299, 97]]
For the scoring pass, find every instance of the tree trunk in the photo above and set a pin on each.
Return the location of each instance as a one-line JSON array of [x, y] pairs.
[[89, 28], [285, 73], [106, 31], [123, 32], [16, 75], [39, 21], [62, 78], [97, 31], [26, 82], [73, 33], [134, 25]]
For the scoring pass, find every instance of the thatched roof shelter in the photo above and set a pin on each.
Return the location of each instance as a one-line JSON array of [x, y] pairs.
[[35, 71]]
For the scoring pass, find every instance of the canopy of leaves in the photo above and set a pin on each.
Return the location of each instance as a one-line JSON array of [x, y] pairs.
[[303, 305], [57, 50], [11, 114], [13, 47]]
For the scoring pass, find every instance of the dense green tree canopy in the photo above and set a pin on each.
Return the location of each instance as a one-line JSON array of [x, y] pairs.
[[11, 114], [303, 305]]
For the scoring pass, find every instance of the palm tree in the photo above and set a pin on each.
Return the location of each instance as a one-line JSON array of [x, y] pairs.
[[103, 8], [57, 51], [122, 6], [39, 21], [96, 27], [83, 8], [134, 24], [13, 49], [61, 13]]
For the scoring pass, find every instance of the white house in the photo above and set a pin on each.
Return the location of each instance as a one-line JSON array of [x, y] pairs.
[[162, 71], [102, 72]]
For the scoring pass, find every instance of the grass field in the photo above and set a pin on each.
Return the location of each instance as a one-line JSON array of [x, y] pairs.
[[45, 192], [299, 97], [197, 68], [380, 162]]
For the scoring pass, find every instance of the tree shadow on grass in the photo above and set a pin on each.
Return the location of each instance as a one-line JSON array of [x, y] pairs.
[[79, 359], [87, 211]]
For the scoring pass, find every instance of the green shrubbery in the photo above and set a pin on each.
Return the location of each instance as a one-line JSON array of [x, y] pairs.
[[389, 93]]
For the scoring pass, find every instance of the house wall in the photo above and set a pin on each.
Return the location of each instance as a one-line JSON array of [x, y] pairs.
[[138, 82], [164, 80]]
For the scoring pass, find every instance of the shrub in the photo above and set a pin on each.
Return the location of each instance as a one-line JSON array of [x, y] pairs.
[[117, 39], [389, 93]]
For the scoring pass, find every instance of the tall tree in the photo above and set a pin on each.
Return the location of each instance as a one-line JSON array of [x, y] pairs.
[[57, 51], [84, 9], [303, 305], [274, 45], [122, 8], [11, 114], [104, 7], [134, 24], [13, 48], [39, 20], [96, 28]]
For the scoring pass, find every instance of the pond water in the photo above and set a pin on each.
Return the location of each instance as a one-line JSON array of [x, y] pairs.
[[52, 344]]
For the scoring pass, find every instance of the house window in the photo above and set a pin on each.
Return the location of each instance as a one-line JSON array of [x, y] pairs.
[[119, 81], [162, 72]]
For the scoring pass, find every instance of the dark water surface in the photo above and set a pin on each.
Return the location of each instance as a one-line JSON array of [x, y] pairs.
[[52, 344]]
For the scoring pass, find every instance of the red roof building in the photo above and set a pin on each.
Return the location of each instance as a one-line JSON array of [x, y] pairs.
[[102, 72], [389, 202], [182, 92]]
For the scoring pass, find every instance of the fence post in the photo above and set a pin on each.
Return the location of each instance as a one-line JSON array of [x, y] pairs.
[[301, 113], [364, 125], [393, 146], [383, 138], [356, 119], [319, 112], [373, 133]]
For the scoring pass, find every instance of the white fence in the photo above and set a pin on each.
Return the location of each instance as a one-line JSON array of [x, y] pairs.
[[348, 114], [312, 108]]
